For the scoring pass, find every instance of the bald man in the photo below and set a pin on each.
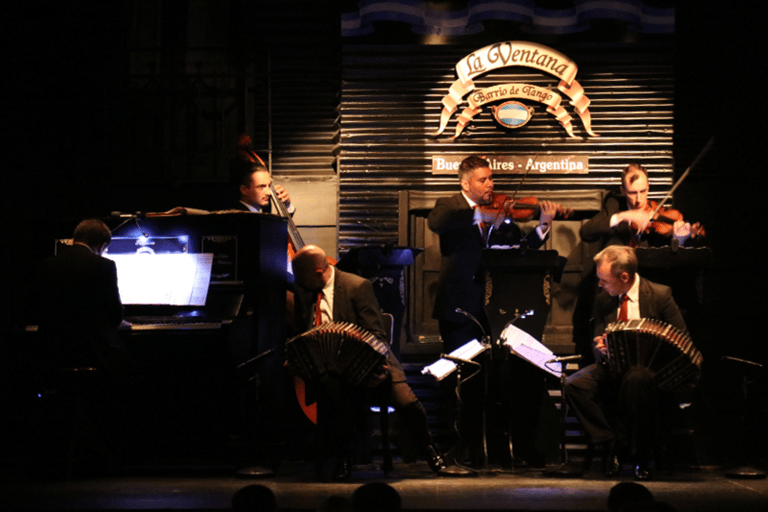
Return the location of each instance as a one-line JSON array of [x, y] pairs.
[[350, 298]]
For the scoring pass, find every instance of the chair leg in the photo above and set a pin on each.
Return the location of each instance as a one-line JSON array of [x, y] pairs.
[[385, 447], [589, 454]]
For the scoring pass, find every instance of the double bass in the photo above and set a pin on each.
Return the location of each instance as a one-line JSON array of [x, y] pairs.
[[295, 244]]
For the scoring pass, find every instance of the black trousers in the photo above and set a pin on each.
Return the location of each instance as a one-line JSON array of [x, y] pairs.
[[616, 408]]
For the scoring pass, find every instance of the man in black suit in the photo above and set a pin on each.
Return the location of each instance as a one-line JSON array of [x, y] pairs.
[[76, 304], [592, 391], [465, 229], [74, 300], [460, 225], [625, 215], [349, 298]]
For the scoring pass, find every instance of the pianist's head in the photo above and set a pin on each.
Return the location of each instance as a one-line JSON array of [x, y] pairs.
[[94, 234]]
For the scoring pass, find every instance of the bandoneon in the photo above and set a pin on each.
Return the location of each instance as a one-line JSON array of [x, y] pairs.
[[662, 349], [339, 347]]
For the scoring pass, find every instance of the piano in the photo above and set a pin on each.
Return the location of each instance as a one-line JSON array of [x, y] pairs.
[[188, 349]]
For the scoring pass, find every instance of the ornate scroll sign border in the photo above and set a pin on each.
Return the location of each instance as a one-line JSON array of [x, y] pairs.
[[508, 54]]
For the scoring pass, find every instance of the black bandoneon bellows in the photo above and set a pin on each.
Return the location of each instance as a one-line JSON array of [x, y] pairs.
[[339, 347], [662, 349]]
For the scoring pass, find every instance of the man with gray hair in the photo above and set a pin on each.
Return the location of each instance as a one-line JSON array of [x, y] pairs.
[[593, 392]]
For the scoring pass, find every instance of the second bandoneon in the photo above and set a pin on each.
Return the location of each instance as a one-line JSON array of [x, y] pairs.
[[663, 350]]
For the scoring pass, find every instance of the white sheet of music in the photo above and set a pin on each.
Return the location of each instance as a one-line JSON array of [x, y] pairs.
[[441, 368], [530, 349]]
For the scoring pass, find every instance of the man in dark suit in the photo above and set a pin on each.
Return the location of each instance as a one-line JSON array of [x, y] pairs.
[[345, 297], [592, 391], [76, 304], [624, 216], [465, 229], [74, 300], [463, 236]]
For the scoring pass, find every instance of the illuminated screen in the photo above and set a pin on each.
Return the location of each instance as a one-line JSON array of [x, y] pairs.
[[163, 279]]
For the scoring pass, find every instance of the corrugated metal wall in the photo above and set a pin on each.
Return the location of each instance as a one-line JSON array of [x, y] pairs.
[[390, 106]]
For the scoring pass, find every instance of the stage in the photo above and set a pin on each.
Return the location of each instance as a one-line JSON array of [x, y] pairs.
[[297, 488]]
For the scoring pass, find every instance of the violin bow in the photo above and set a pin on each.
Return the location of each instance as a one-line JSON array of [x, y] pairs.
[[685, 174]]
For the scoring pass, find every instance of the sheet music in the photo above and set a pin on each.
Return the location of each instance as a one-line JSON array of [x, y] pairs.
[[530, 349], [441, 368]]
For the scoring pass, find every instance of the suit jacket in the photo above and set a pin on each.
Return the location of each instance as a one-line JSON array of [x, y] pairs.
[[655, 301], [461, 284], [76, 304], [353, 301], [264, 209]]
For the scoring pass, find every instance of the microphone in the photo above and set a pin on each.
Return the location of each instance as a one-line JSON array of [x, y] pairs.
[[462, 312], [457, 360], [564, 359]]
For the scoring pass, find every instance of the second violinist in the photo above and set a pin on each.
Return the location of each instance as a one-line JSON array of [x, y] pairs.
[[626, 219]]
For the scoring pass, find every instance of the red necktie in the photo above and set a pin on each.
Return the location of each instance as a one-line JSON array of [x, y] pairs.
[[318, 314], [624, 309]]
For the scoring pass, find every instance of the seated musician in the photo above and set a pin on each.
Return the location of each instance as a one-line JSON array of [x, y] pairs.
[[625, 215], [593, 392], [349, 298]]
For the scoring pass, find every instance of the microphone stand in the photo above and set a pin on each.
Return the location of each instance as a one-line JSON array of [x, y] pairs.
[[566, 469], [247, 374]]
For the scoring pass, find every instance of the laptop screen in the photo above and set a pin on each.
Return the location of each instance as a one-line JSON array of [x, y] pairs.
[[163, 279]]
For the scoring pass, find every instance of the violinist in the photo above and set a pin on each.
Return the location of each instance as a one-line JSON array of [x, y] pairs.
[[628, 220], [468, 222]]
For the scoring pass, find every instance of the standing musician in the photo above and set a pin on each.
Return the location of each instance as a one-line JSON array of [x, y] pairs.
[[465, 228], [326, 294], [593, 392], [626, 221], [467, 223]]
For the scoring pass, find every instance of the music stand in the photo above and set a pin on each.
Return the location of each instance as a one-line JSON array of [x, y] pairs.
[[247, 373], [529, 349], [447, 364], [744, 471]]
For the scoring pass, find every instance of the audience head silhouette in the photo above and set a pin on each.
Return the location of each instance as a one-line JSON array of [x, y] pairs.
[[254, 498], [376, 497]]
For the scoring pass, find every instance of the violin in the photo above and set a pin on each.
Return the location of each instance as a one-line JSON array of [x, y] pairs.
[[663, 220], [522, 210]]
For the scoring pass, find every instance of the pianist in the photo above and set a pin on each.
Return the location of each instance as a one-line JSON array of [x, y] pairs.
[[74, 301]]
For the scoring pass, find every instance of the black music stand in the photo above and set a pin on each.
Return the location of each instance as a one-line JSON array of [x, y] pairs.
[[515, 283], [384, 266], [744, 471], [458, 357], [247, 374], [453, 468]]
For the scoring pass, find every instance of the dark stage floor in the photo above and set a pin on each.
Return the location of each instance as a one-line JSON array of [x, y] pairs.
[[297, 488]]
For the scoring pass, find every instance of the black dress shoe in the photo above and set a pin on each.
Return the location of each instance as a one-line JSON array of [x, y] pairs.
[[641, 473], [611, 464], [434, 459], [342, 469]]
